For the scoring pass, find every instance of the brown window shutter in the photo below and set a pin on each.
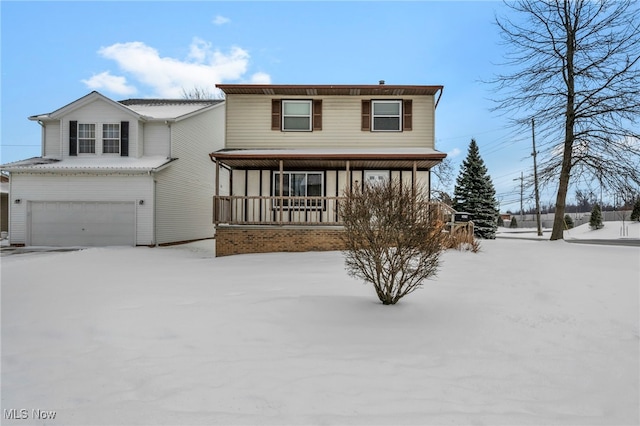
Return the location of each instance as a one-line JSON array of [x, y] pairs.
[[407, 115], [276, 121], [317, 114], [366, 115]]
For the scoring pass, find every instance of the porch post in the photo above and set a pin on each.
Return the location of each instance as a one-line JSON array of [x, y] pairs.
[[217, 178], [414, 178], [348, 171], [216, 200], [281, 188]]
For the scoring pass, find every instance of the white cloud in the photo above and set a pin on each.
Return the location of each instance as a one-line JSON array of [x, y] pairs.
[[220, 20], [454, 153], [261, 78], [112, 83], [203, 67]]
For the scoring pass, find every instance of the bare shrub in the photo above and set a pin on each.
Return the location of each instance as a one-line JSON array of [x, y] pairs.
[[462, 238], [392, 238]]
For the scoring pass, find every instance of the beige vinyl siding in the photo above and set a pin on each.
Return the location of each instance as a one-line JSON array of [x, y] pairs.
[[157, 139], [186, 187], [81, 187], [100, 112], [52, 145], [249, 125]]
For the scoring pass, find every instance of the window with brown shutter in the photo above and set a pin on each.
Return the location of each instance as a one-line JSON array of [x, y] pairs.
[[317, 114], [366, 115], [407, 115], [275, 114]]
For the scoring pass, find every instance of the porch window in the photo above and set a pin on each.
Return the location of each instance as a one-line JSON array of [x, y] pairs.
[[111, 138], [296, 116], [86, 138], [299, 184], [387, 116]]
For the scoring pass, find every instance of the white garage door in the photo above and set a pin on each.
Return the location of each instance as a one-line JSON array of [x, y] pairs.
[[65, 224]]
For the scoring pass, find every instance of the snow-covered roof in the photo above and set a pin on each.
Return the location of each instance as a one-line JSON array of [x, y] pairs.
[[167, 109], [350, 152], [146, 109], [404, 158], [104, 163]]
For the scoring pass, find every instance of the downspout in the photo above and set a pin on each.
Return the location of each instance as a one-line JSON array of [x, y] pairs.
[[42, 135], [154, 237], [155, 209], [438, 100]]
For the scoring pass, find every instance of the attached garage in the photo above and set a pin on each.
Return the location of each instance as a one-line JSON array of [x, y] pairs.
[[82, 223]]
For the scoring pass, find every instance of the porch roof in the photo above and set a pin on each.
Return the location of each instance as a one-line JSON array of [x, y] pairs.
[[398, 158]]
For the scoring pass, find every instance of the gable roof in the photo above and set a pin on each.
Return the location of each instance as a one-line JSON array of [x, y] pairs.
[[141, 109], [381, 89], [79, 103]]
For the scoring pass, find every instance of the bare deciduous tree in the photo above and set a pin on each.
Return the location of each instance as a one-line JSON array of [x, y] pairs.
[[574, 65], [392, 238], [201, 93]]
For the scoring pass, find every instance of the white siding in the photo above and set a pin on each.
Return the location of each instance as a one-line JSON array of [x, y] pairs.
[[157, 139], [186, 187], [249, 125], [82, 187], [52, 145], [100, 112]]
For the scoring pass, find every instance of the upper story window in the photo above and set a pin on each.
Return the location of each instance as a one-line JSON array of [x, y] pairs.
[[111, 138], [86, 138], [386, 116], [298, 115]]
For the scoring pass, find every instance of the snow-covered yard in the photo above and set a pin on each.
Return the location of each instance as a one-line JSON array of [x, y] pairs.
[[522, 333]]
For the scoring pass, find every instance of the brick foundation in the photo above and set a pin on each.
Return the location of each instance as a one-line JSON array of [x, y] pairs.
[[268, 239]]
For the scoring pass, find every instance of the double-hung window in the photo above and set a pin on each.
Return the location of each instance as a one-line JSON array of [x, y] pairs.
[[387, 116], [86, 138], [296, 116], [111, 138], [306, 185]]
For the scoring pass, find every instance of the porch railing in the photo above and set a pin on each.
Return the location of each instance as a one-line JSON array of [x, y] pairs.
[[274, 210]]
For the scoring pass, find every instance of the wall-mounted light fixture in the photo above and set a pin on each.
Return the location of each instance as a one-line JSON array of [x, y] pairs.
[[141, 202], [17, 201]]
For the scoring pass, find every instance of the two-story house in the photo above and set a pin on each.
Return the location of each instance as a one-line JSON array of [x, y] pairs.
[[134, 172], [292, 150]]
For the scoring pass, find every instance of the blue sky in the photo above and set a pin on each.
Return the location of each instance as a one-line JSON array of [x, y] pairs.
[[56, 52]]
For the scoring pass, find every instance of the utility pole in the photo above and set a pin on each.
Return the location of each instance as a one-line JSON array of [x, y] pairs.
[[535, 176]]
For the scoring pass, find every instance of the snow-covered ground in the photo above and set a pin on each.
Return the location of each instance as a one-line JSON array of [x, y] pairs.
[[611, 231], [521, 333]]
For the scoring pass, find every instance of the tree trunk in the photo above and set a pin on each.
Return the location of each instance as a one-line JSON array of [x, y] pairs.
[[567, 152]]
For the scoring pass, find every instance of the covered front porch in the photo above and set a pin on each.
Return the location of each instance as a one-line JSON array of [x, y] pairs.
[[294, 196]]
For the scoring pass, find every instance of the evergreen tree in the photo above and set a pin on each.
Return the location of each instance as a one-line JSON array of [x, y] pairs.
[[568, 222], [596, 218], [500, 221], [635, 214], [474, 193], [514, 223]]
